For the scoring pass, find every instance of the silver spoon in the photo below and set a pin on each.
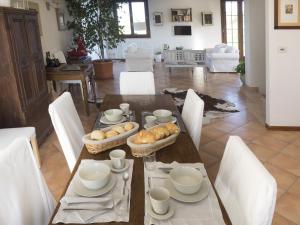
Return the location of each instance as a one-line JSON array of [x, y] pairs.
[[125, 178]]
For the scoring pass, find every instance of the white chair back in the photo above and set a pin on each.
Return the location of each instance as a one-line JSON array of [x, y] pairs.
[[25, 197], [192, 115], [246, 188], [137, 83], [68, 127]]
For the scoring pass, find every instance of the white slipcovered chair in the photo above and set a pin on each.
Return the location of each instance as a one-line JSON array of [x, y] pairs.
[[192, 115], [246, 188], [138, 59], [8, 135], [137, 83], [222, 58], [68, 127], [25, 197]]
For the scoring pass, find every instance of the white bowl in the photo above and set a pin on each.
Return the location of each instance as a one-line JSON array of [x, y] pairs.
[[186, 180], [113, 115], [163, 115], [94, 175]]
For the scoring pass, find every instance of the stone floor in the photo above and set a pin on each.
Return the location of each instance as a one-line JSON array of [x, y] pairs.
[[279, 151]]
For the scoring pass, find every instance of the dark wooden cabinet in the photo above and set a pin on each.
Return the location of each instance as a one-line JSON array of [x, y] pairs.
[[23, 86]]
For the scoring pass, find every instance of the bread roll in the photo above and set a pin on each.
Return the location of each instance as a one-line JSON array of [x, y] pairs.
[[128, 126], [172, 128], [118, 129], [144, 137], [111, 133], [98, 135], [159, 132]]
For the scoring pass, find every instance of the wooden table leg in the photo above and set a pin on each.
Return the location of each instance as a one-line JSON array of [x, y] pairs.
[[93, 89], [85, 96]]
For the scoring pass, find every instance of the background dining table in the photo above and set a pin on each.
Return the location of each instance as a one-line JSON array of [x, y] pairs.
[[182, 151]]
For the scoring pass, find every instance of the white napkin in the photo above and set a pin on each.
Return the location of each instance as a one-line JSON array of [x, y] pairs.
[[94, 210], [205, 212]]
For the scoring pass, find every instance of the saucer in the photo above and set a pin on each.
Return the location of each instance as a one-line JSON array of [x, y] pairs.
[[104, 120], [166, 216], [126, 166], [81, 190], [173, 120], [196, 197]]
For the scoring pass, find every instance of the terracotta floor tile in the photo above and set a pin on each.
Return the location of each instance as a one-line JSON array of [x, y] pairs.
[[295, 189], [262, 152], [297, 142], [289, 207], [204, 139], [211, 132], [286, 163], [270, 142], [214, 148], [284, 179], [224, 126], [292, 150], [245, 133], [212, 171], [207, 159], [280, 220], [285, 136]]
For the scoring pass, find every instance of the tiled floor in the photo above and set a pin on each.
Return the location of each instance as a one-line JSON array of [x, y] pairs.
[[278, 150]]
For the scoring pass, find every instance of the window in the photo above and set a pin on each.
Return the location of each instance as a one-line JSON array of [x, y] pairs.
[[133, 16], [233, 24]]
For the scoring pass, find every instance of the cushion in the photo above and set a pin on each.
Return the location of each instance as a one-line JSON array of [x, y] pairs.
[[229, 49], [132, 48]]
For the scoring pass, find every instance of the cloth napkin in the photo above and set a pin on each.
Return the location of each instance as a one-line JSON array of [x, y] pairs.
[[204, 212], [98, 209]]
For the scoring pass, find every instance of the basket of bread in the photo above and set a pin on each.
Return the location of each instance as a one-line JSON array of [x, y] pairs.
[[147, 141], [109, 137]]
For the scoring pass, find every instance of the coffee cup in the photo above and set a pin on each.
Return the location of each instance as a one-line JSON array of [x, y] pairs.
[[117, 158], [125, 107], [159, 198], [150, 120]]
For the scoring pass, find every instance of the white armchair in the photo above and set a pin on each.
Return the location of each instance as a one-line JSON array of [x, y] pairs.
[[222, 58], [138, 59]]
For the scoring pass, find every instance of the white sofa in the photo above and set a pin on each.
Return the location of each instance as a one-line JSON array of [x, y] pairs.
[[222, 58], [138, 59]]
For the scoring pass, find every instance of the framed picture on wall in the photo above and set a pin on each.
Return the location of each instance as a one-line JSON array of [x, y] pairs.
[[61, 20], [287, 14], [207, 18], [158, 18]]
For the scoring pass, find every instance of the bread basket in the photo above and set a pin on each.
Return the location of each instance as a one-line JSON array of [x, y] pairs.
[[140, 150], [94, 146]]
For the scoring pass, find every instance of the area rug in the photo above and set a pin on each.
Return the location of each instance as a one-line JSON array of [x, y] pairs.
[[213, 107]]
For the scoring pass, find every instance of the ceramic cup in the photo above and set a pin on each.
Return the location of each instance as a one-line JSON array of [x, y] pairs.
[[117, 158], [125, 107], [150, 120], [159, 198]]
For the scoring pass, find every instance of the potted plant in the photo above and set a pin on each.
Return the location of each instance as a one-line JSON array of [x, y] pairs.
[[241, 70], [157, 57], [97, 22]]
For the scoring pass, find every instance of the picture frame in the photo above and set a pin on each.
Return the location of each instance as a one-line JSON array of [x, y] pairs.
[[287, 14], [61, 20], [158, 18], [207, 18]]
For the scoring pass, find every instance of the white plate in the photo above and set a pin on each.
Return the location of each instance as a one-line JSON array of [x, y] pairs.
[[81, 190], [126, 166], [196, 197], [104, 120], [173, 120], [153, 214]]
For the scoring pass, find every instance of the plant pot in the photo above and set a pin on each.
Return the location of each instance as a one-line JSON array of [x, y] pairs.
[[157, 58], [243, 79], [103, 69]]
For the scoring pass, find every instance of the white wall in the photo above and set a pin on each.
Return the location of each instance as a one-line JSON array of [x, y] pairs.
[[202, 36], [283, 73], [255, 44], [52, 39]]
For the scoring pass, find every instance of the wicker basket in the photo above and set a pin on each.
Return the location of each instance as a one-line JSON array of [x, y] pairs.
[[140, 150], [95, 147]]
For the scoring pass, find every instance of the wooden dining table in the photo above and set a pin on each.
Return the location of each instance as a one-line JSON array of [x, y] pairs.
[[182, 151]]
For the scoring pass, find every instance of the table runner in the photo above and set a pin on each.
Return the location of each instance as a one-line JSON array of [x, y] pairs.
[[85, 216], [205, 212], [98, 125]]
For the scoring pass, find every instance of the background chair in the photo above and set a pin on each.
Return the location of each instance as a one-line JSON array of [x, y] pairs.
[[68, 127], [138, 59], [8, 135], [192, 115], [137, 83], [246, 188], [25, 197]]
